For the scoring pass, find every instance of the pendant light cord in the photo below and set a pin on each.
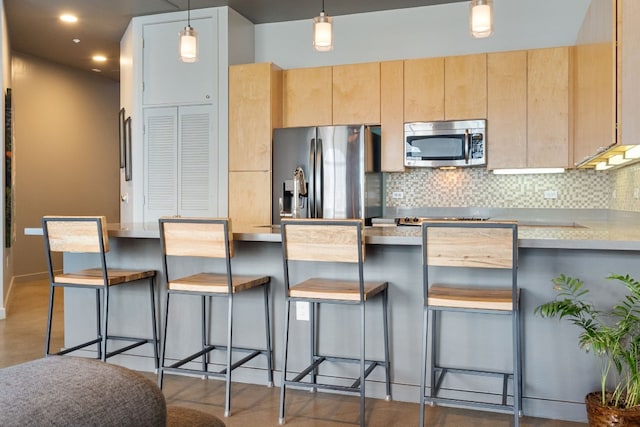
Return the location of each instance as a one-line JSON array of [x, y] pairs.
[[322, 6], [189, 12]]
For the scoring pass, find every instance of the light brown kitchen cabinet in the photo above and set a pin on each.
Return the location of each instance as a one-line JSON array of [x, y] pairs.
[[595, 82], [356, 93], [549, 102], [391, 115], [507, 110], [255, 109], [465, 87], [307, 97], [628, 88], [423, 89], [249, 198]]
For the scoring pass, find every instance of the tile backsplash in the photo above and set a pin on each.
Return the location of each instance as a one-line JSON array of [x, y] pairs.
[[477, 187]]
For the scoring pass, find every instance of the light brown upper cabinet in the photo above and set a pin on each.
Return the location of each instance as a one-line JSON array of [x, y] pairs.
[[549, 102], [628, 89], [595, 81], [529, 109], [307, 97], [450, 88], [391, 116], [465, 87], [423, 89], [255, 108], [507, 110], [356, 94]]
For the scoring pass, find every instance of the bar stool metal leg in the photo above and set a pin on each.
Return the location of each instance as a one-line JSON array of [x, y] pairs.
[[227, 405], [105, 320], [203, 333], [313, 337], [164, 342], [267, 323], [98, 323], [47, 344], [154, 322], [285, 349], [362, 363], [385, 317], [423, 364]]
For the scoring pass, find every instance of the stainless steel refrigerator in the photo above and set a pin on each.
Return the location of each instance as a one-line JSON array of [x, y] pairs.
[[327, 172]]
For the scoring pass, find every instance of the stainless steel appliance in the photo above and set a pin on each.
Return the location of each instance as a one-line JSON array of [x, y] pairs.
[[445, 143], [327, 172]]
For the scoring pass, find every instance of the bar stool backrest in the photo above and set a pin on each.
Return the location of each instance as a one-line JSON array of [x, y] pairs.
[[198, 237], [323, 240], [470, 244], [80, 234]]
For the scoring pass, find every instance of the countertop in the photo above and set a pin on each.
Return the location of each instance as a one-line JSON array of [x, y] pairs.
[[601, 230]]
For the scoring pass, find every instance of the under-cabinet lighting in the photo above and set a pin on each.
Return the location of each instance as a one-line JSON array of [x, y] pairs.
[[524, 171], [69, 18], [633, 152], [602, 166], [481, 18], [618, 159]]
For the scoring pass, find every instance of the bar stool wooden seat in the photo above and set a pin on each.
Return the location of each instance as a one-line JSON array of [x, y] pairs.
[[209, 238], [88, 234], [340, 242], [470, 245]]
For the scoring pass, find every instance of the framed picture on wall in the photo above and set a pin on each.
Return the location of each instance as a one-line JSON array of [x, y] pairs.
[[122, 136], [127, 150]]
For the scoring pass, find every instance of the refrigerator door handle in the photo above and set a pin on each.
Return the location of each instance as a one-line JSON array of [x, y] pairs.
[[311, 190], [319, 174]]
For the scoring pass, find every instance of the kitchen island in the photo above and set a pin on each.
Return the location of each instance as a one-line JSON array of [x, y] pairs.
[[557, 374]]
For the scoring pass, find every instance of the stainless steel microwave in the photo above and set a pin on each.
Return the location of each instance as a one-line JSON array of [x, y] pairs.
[[451, 143]]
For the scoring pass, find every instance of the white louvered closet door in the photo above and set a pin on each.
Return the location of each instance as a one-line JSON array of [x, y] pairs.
[[179, 168]]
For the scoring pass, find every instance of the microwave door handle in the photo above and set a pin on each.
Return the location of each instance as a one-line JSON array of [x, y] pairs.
[[319, 179], [467, 145], [311, 190]]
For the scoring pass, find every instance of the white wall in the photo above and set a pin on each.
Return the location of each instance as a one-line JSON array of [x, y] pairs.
[[419, 32]]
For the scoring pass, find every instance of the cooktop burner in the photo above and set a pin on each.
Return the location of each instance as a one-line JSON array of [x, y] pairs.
[[418, 220]]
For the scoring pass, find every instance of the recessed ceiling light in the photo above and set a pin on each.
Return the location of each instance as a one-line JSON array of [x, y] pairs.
[[67, 17], [96, 70], [76, 41], [99, 58]]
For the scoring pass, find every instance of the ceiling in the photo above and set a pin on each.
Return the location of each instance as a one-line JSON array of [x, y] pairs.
[[34, 27]]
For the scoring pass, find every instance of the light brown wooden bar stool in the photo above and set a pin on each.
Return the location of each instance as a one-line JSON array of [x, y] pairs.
[[209, 238], [333, 241], [88, 234], [471, 245]]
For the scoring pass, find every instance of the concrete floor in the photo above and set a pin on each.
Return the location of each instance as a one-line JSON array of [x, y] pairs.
[[22, 339]]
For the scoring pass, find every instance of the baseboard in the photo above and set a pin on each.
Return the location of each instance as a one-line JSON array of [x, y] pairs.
[[3, 313]]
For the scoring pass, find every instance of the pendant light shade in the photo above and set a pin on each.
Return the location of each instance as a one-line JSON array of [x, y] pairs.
[[481, 18], [323, 32], [188, 40]]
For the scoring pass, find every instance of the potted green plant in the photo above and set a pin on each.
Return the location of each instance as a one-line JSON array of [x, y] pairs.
[[613, 335]]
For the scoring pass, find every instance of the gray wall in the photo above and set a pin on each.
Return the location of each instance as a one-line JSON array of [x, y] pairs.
[[65, 151]]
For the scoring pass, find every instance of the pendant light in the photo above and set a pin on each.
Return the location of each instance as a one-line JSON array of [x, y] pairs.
[[188, 40], [481, 18], [323, 32]]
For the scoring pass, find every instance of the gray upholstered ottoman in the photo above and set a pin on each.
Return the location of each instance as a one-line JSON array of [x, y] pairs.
[[72, 391]]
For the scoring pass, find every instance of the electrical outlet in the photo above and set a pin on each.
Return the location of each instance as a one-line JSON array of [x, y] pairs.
[[550, 194], [397, 195], [302, 310]]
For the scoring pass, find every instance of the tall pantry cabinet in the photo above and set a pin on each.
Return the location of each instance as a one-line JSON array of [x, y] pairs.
[[179, 113]]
